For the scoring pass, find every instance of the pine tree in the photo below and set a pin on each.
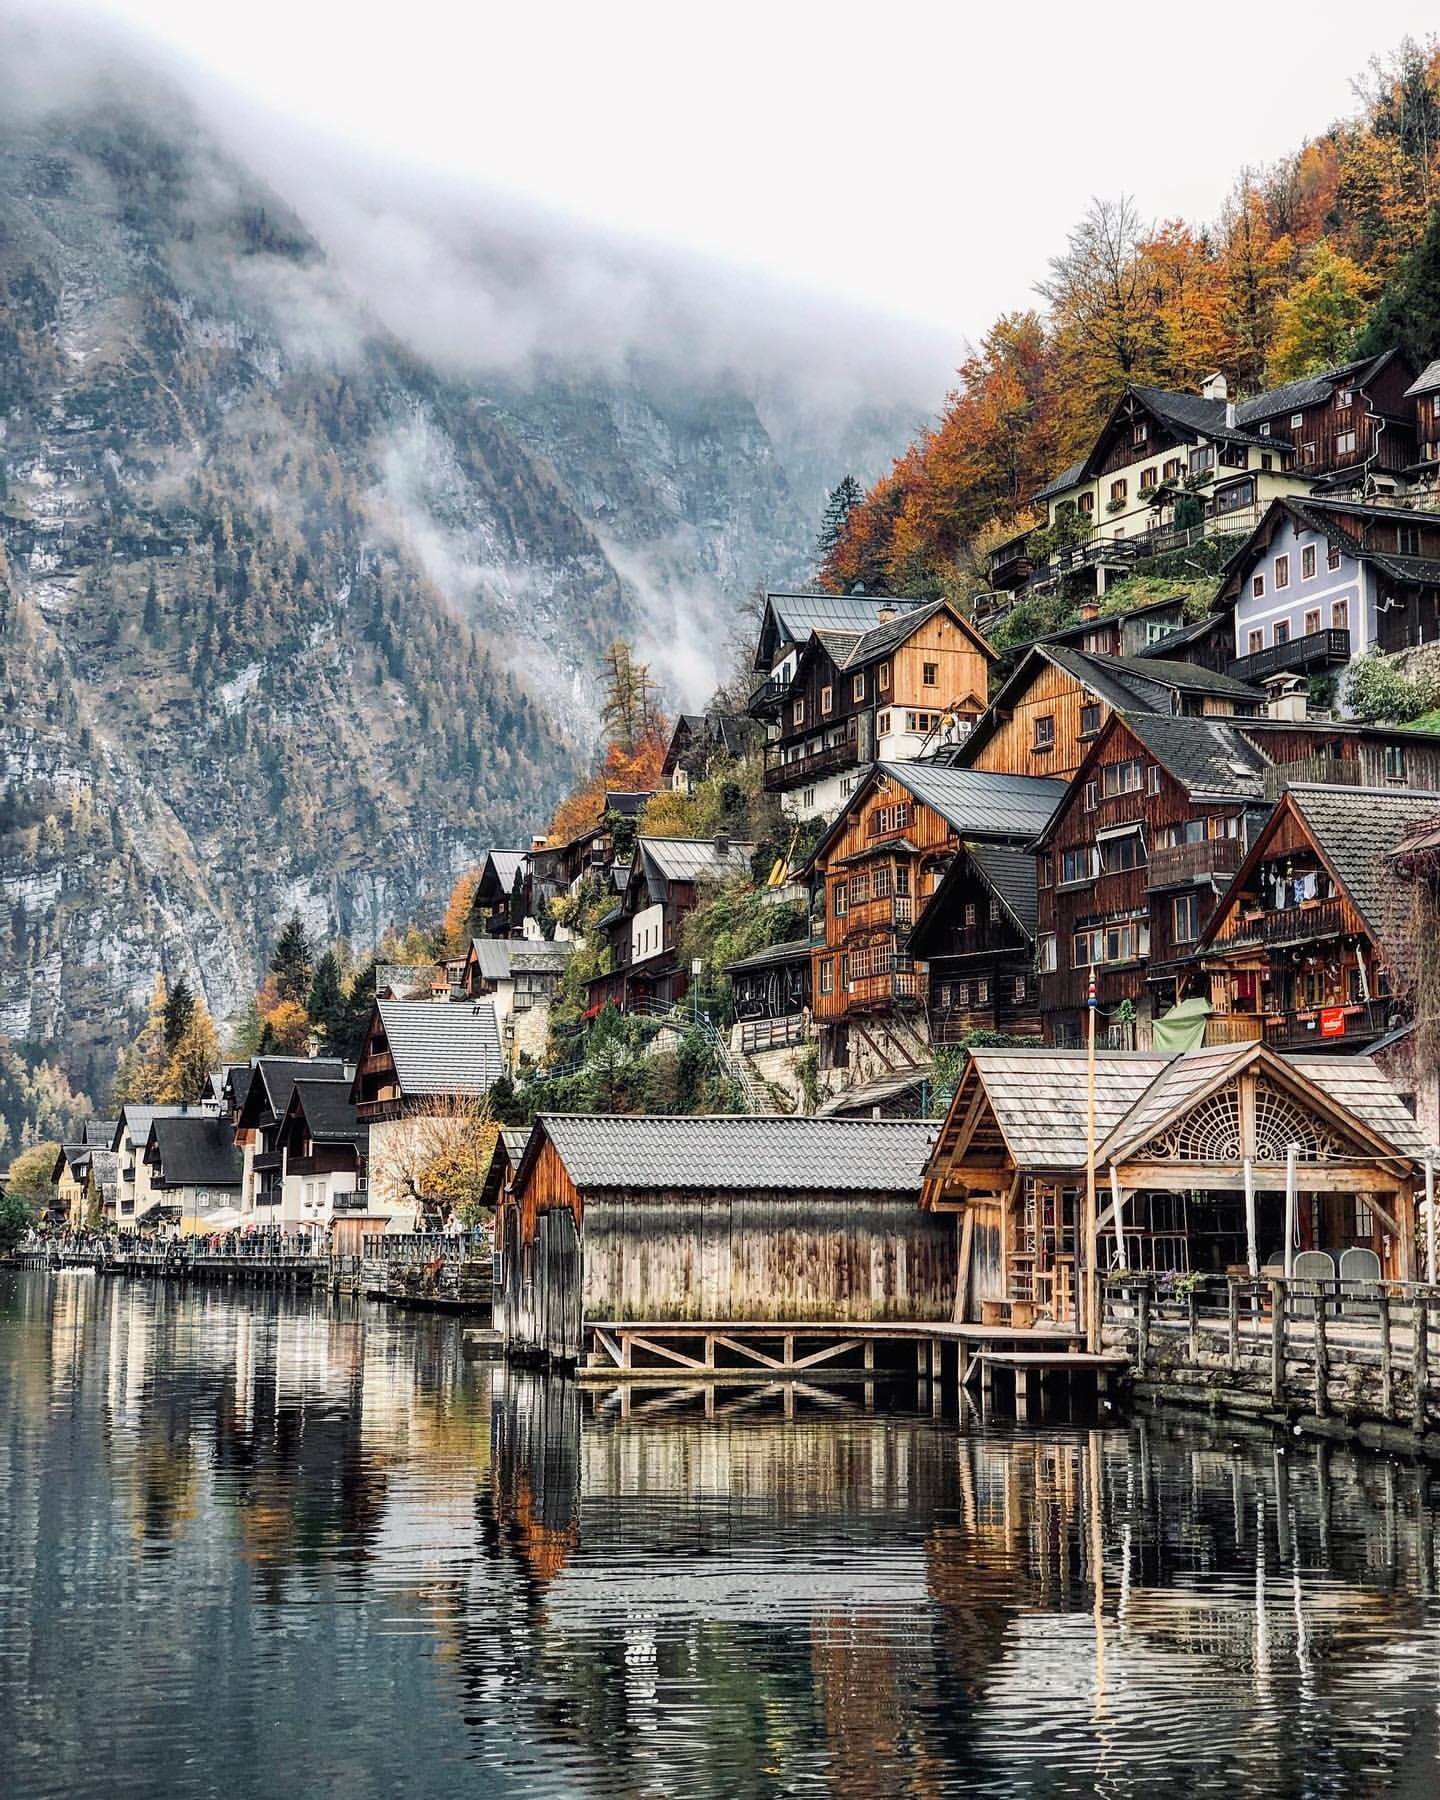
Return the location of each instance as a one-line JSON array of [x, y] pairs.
[[291, 963], [326, 1001], [245, 1038], [193, 1059], [842, 501], [179, 1010], [150, 621]]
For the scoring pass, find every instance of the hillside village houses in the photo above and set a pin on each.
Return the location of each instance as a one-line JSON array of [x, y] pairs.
[[1173, 808]]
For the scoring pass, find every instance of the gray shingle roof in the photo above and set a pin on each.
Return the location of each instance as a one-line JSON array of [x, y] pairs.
[[1183, 677], [1204, 418], [760, 1152], [98, 1133], [1355, 829], [979, 803], [138, 1120], [1362, 1087], [197, 1151], [329, 1112], [1038, 1097], [1310, 390], [442, 1048], [1206, 756], [1010, 874], [276, 1076], [1426, 382]]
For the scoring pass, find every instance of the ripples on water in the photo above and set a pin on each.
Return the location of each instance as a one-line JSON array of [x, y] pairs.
[[259, 1545]]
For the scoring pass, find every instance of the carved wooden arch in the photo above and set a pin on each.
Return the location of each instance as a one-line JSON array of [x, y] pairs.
[[1233, 1126]]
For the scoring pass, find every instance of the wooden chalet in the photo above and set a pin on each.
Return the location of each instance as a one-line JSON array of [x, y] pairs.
[[667, 880], [913, 680], [697, 740], [876, 867], [260, 1096], [1153, 826], [1051, 710], [418, 1056], [1310, 946], [1180, 1138], [1343, 753], [196, 1170], [975, 937], [323, 1147], [613, 1224], [502, 900], [1424, 393], [1130, 631], [770, 996]]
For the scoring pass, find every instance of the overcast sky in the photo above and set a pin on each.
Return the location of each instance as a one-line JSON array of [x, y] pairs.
[[922, 159]]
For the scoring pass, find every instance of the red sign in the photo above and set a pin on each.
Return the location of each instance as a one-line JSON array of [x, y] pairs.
[[1332, 1021]]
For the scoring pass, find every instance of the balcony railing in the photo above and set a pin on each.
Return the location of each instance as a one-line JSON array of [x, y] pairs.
[[1179, 865], [768, 695], [1323, 771], [348, 1202], [1234, 1028], [874, 915], [1323, 1025], [771, 1034], [1315, 650], [1289, 925], [780, 774]]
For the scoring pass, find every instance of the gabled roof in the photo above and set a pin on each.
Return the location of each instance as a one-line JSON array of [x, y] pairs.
[[790, 618], [1142, 674], [492, 957], [98, 1133], [275, 1076], [1063, 482], [1066, 633], [450, 1049], [195, 1151], [75, 1157], [1038, 1099], [736, 1152], [137, 1119], [1426, 382], [328, 1112], [665, 860], [1309, 390], [504, 865], [1210, 758], [1007, 873], [883, 640]]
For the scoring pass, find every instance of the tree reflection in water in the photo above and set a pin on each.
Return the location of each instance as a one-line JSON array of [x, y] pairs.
[[307, 1543]]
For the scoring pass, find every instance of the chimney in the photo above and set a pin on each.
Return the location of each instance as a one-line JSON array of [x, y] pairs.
[[885, 615], [1230, 414], [537, 843], [1288, 699], [1089, 609], [1215, 387], [722, 847]]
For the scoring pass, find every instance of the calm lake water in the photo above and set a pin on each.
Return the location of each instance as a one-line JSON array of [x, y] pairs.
[[254, 1545]]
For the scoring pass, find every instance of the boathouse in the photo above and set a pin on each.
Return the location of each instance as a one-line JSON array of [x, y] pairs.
[[614, 1224], [1193, 1155]]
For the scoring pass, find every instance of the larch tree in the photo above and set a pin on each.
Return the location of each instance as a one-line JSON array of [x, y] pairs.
[[1319, 315], [629, 709], [193, 1059]]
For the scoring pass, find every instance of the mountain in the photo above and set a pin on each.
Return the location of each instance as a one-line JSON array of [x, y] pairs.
[[307, 555]]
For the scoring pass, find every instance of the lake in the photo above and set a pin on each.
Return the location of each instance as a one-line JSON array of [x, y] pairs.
[[259, 1544]]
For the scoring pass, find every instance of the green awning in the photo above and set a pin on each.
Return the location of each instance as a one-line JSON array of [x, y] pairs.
[[1183, 1027]]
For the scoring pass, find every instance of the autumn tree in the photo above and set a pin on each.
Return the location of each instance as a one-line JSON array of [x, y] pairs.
[[458, 913], [141, 1066], [31, 1176], [1316, 320], [437, 1161], [629, 711], [195, 1056]]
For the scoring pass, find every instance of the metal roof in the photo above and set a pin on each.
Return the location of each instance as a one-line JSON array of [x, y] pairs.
[[138, 1120], [694, 859], [772, 956], [492, 957], [980, 803], [445, 1047], [742, 1152], [507, 864]]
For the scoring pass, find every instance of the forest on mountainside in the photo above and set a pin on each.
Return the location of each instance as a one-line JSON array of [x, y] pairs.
[[1332, 252]]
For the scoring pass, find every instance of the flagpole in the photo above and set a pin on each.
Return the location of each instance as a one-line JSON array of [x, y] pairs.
[[1092, 1274]]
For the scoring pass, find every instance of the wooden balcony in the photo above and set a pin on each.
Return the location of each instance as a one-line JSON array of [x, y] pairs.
[[1321, 1027], [1182, 865], [1234, 1028], [1324, 771], [896, 982], [1315, 650], [832, 760], [1290, 925], [766, 699], [885, 914]]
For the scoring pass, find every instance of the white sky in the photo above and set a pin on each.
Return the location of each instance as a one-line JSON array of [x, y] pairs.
[[922, 159]]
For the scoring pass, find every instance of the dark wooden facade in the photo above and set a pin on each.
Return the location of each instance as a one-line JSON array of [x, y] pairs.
[[978, 950]]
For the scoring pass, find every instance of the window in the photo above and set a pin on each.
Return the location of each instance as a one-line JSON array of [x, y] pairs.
[[1118, 854], [1119, 490], [1264, 430], [1339, 615], [883, 877], [1282, 571], [1344, 396], [1121, 778], [1281, 632], [1257, 587], [1307, 563], [1078, 865], [1407, 539], [1267, 461], [1332, 557], [1312, 621], [1394, 762], [1154, 778], [1255, 640], [797, 713], [1086, 505], [1044, 872], [1122, 942], [1296, 421], [1307, 452], [882, 724], [840, 899], [1045, 953], [1021, 989], [1092, 795], [884, 675], [807, 797], [845, 974], [921, 721], [886, 819], [1171, 471], [827, 699], [1044, 732], [827, 975], [1139, 432], [1147, 479], [1090, 719], [859, 888], [1202, 459], [969, 915], [1185, 918], [1345, 443], [982, 992], [930, 674], [857, 687]]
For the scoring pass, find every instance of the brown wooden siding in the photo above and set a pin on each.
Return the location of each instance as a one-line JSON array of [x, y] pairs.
[[1012, 750]]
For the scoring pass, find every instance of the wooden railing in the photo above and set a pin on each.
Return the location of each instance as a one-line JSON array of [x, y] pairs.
[[1306, 1026], [771, 1034], [1176, 865], [1286, 925], [1315, 649], [1325, 771], [830, 760]]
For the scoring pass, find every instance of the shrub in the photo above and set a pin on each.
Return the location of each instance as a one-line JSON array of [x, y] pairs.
[[1377, 688]]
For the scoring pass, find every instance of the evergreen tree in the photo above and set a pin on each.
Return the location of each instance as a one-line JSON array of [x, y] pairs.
[[349, 1035], [1407, 313], [842, 501], [245, 1038], [150, 621], [291, 963], [179, 1010], [326, 1001], [193, 1059]]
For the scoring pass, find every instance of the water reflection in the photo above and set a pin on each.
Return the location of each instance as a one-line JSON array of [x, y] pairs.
[[252, 1543]]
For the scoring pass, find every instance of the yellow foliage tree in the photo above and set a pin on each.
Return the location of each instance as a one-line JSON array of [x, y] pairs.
[[457, 913], [1320, 314], [289, 1024], [192, 1060]]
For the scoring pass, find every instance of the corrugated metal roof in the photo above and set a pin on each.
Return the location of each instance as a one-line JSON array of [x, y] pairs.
[[764, 1152], [979, 803], [447, 1048], [695, 859], [492, 957]]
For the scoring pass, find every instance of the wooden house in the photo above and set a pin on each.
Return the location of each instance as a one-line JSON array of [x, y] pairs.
[[520, 976], [912, 681], [1130, 631], [1344, 753], [1178, 1138], [195, 1169], [502, 900], [418, 1055], [1424, 393], [873, 871], [975, 938], [697, 740], [1153, 825], [770, 997], [668, 878], [1051, 710], [1311, 944], [696, 1222], [257, 1117], [322, 1146]]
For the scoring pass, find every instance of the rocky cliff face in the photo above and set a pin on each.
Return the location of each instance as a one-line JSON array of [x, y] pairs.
[[291, 615]]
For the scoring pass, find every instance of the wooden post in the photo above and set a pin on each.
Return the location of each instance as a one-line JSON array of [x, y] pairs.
[[1387, 1369], [1092, 1282], [1142, 1329], [1430, 1220], [1291, 1210], [1233, 1321], [1278, 1292], [1252, 1254], [1192, 1309], [1421, 1363], [1322, 1355], [1119, 1203]]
